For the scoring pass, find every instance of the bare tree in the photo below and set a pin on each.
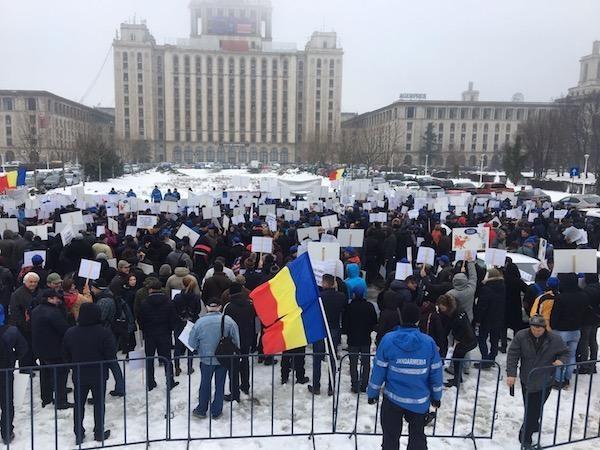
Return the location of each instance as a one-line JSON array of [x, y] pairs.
[[30, 141], [542, 136], [370, 146]]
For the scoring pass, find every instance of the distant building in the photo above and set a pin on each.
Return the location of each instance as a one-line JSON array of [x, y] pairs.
[[589, 74], [228, 93], [46, 124], [348, 116]]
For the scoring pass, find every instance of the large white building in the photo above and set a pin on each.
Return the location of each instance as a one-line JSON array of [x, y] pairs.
[[228, 93], [589, 73]]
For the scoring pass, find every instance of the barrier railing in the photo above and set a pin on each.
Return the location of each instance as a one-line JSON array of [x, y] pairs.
[[471, 414], [572, 416], [269, 409]]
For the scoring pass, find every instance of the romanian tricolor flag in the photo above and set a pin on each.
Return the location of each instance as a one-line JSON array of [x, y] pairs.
[[12, 179], [288, 307], [336, 174]]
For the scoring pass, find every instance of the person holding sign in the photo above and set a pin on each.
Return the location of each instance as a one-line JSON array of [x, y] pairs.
[[489, 315], [188, 307], [463, 287]]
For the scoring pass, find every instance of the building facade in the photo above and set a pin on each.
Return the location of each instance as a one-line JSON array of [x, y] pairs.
[[228, 93], [43, 124], [589, 73]]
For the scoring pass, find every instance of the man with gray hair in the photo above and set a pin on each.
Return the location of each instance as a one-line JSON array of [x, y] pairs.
[[22, 301]]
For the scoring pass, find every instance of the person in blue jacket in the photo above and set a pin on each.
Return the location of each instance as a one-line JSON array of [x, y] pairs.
[[408, 369], [354, 279], [130, 193], [156, 195]]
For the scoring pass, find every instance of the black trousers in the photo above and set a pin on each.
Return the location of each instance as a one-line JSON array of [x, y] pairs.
[[27, 360], [391, 424], [459, 352], [162, 346], [239, 374], [81, 392], [289, 358], [364, 352], [7, 403], [48, 389], [533, 403]]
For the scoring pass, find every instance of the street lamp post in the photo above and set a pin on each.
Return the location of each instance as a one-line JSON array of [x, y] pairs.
[[426, 163], [481, 172], [586, 156]]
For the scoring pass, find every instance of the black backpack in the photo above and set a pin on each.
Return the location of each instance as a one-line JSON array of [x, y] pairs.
[[5, 352], [226, 349]]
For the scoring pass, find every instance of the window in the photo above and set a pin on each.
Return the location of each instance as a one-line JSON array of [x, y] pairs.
[[429, 113], [264, 156], [31, 104], [7, 104], [284, 159], [410, 112], [177, 154]]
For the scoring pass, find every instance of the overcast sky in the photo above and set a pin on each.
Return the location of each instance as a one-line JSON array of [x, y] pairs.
[[390, 46]]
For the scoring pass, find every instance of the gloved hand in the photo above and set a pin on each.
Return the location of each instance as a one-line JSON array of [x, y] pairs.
[[436, 403], [372, 400]]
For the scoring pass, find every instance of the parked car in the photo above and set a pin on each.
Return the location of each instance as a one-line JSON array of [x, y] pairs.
[[433, 190], [53, 180], [526, 264], [488, 188], [72, 178], [411, 185], [443, 183], [579, 201], [534, 194], [465, 186]]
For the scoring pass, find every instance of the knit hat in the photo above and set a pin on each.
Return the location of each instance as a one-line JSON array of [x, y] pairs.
[[37, 260], [443, 260], [529, 240], [53, 278], [537, 321], [165, 270], [552, 283], [123, 264], [410, 314]]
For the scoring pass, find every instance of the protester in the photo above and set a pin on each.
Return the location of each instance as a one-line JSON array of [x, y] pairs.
[[188, 308], [531, 349], [22, 302], [489, 315]]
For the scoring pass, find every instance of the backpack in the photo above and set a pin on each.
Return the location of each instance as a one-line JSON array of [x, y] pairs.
[[226, 348], [5, 352], [123, 323], [543, 305]]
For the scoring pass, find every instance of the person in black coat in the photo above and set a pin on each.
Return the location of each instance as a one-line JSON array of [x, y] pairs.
[[334, 304], [489, 315], [16, 346], [242, 312], [48, 327], [587, 350], [188, 306], [87, 342], [464, 338], [157, 320], [431, 324], [22, 301], [389, 317], [359, 320]]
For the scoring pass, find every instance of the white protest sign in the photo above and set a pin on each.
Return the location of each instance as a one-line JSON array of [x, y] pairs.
[[131, 230], [174, 292], [226, 223], [351, 237], [72, 218], [426, 255], [576, 261], [184, 336], [532, 216], [470, 238], [262, 244], [291, 215], [271, 220], [112, 211], [330, 222], [147, 222], [184, 230], [311, 233], [403, 270], [542, 249], [39, 230], [409, 256], [146, 268], [113, 225], [264, 210], [560, 214], [9, 224], [495, 257], [236, 220], [100, 230], [89, 270], [321, 268], [66, 235], [324, 251], [461, 255], [112, 262], [27, 256]]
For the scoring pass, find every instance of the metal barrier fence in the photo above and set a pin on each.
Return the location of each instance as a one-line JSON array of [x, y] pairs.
[[271, 409], [575, 417], [471, 415]]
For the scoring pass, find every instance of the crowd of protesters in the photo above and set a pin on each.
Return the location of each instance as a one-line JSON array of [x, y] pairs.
[[447, 309]]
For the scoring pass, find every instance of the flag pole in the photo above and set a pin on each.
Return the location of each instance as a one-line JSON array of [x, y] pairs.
[[332, 351]]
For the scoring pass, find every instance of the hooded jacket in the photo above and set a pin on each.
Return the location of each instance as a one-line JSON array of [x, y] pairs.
[[359, 320], [570, 305], [157, 316], [463, 289], [175, 281], [389, 317], [215, 286], [354, 279], [491, 303], [408, 368], [89, 341]]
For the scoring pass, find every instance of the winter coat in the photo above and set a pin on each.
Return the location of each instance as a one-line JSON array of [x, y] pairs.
[[242, 312], [157, 316], [48, 326], [15, 343], [593, 316], [431, 324], [74, 300], [89, 341], [397, 295], [188, 306], [334, 304], [570, 306], [176, 257], [106, 303], [461, 329], [359, 320], [354, 279], [515, 286], [206, 334], [20, 302], [463, 289], [408, 368], [156, 195], [389, 318], [7, 284], [215, 285], [116, 284], [523, 349], [175, 281], [491, 304]]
